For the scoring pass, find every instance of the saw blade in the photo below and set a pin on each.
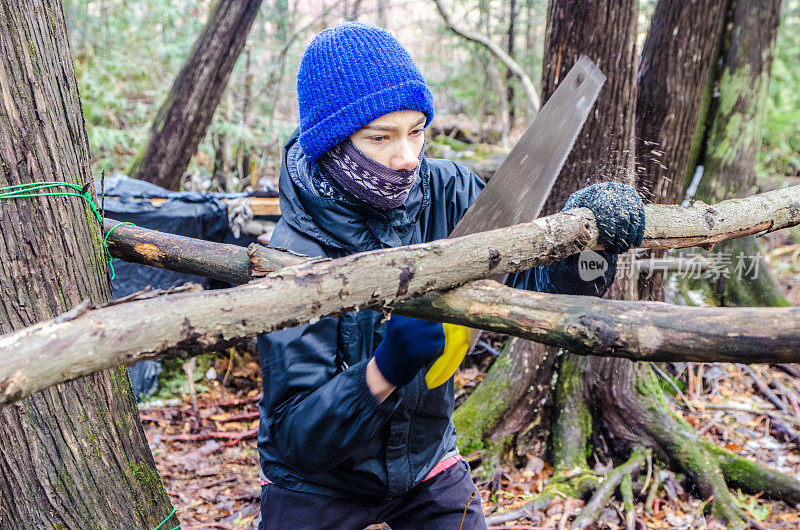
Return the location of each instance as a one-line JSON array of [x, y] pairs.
[[519, 188]]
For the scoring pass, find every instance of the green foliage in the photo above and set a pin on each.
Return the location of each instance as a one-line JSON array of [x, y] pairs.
[[127, 53], [754, 507], [173, 382], [780, 153]]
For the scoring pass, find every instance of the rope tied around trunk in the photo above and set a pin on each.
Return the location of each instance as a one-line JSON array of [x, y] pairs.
[[40, 189]]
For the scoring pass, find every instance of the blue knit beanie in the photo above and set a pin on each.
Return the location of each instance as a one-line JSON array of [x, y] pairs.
[[349, 75]]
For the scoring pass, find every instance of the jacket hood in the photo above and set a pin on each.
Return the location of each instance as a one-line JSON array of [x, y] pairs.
[[337, 219]]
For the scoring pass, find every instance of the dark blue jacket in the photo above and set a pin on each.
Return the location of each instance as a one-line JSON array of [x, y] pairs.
[[321, 429]]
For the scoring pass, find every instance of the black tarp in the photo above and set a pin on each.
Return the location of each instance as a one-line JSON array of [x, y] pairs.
[[192, 214]]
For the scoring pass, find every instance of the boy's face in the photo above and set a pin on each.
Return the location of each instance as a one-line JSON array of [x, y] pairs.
[[394, 140]]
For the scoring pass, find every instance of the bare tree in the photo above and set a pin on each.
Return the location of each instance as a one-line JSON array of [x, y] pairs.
[[496, 50], [183, 119]]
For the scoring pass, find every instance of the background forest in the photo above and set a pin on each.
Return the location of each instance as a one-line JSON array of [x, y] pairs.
[[695, 444], [127, 54]]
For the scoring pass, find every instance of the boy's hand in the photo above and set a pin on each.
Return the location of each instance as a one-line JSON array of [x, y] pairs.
[[619, 213], [408, 344]]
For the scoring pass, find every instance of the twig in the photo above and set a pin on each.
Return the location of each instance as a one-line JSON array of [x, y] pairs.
[[234, 402], [649, 474], [651, 495], [233, 437], [626, 491], [240, 417], [497, 51], [752, 410], [764, 388], [189, 367], [669, 380]]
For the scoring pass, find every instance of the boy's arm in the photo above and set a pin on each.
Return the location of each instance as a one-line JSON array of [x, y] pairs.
[[317, 416]]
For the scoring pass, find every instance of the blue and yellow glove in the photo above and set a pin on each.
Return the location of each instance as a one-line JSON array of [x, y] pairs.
[[458, 341], [407, 345]]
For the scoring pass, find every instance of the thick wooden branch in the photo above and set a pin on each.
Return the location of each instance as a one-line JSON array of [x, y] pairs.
[[640, 331], [667, 227], [85, 341], [220, 261]]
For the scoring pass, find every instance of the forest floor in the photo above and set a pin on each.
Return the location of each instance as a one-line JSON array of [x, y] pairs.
[[209, 462]]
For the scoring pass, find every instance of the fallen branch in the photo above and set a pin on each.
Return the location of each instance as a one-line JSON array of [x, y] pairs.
[[186, 324], [220, 261], [640, 331], [231, 437], [667, 227]]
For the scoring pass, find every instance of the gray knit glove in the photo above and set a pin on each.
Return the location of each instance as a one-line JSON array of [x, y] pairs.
[[619, 213]]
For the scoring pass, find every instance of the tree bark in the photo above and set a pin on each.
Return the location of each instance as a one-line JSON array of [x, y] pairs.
[[682, 42], [510, 41], [667, 227], [219, 261], [734, 139], [183, 119], [72, 456], [76, 344]]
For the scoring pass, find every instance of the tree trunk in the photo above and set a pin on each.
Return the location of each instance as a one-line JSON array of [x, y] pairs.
[[734, 139], [183, 119], [73, 456], [512, 17], [668, 113], [573, 29]]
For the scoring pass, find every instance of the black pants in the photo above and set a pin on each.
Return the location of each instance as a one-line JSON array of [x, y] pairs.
[[440, 502]]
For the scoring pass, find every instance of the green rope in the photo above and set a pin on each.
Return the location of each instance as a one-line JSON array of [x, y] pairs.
[[167, 519], [34, 189], [111, 260], [21, 191]]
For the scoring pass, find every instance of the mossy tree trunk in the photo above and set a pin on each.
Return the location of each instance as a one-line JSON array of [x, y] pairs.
[[75, 455], [604, 151], [610, 28], [183, 119], [732, 143], [674, 71]]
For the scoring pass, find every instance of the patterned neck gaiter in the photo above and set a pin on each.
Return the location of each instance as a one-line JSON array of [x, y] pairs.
[[377, 185]]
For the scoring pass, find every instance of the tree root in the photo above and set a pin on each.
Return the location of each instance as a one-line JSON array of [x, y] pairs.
[[576, 484], [710, 467], [606, 489], [755, 478]]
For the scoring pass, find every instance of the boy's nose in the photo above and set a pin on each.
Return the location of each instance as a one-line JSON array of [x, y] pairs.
[[405, 159]]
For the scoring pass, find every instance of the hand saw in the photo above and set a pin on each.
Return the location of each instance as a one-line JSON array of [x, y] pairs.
[[519, 188]]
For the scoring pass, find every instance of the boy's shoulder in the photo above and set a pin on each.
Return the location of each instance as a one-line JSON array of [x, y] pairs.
[[448, 175]]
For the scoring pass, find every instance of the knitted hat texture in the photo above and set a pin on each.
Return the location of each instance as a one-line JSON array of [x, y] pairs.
[[349, 75]]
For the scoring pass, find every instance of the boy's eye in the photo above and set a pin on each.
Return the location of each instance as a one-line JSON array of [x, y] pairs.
[[417, 132], [378, 139]]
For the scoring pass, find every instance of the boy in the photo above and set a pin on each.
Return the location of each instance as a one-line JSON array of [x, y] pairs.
[[349, 434]]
